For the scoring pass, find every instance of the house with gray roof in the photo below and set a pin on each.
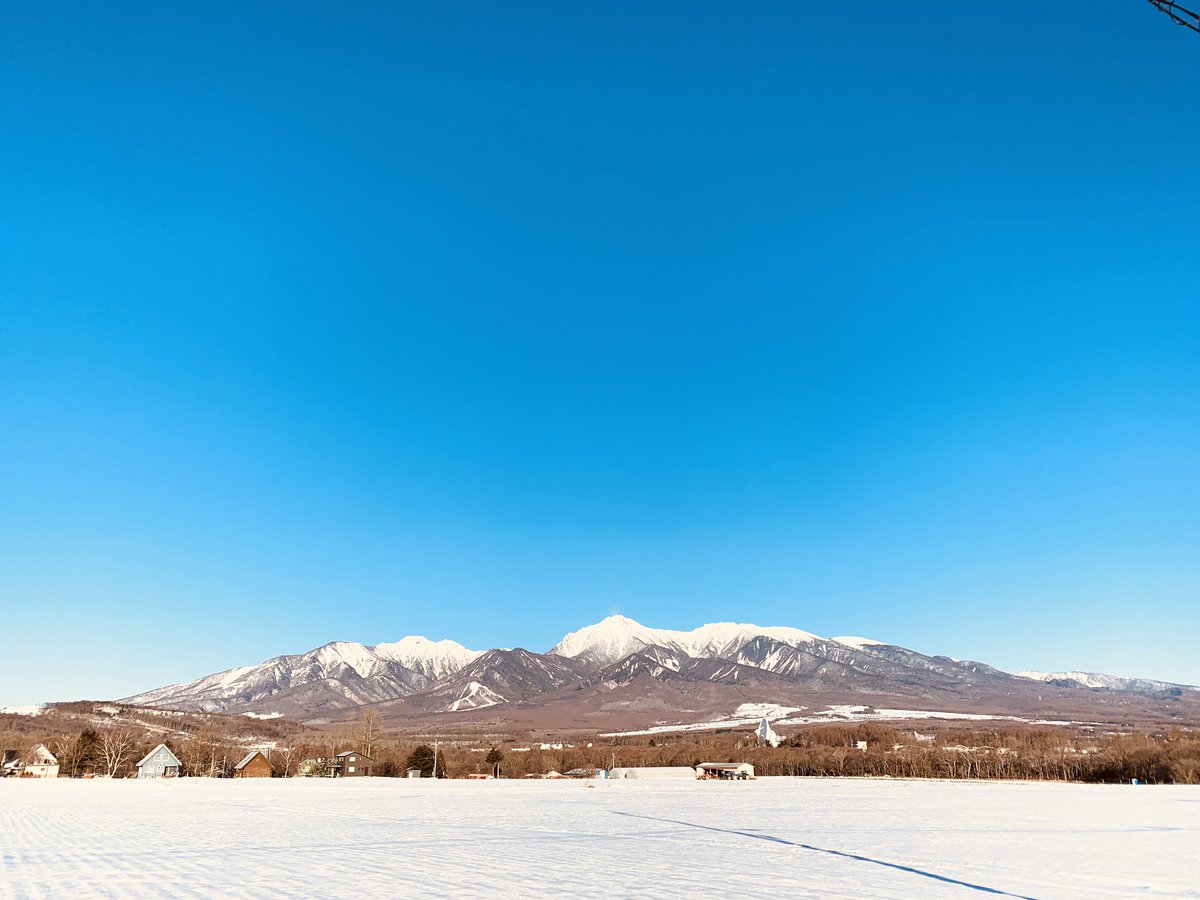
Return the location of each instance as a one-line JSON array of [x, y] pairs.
[[159, 763]]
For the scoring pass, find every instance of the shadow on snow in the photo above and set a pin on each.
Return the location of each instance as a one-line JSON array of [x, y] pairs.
[[879, 862]]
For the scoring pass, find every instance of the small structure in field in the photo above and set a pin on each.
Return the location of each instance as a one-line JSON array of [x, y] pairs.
[[413, 771], [254, 765], [554, 775], [159, 763], [727, 771], [41, 763], [480, 776], [647, 772]]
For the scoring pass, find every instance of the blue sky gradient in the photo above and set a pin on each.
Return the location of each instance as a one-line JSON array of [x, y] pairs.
[[484, 321]]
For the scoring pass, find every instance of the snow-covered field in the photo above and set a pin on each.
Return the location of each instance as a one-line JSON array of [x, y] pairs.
[[770, 837], [752, 713]]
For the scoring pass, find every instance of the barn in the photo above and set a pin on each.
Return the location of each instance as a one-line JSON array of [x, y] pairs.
[[255, 765], [159, 763]]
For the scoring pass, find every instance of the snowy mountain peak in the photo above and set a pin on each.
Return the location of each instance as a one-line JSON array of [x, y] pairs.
[[433, 659], [610, 639], [346, 653], [615, 637]]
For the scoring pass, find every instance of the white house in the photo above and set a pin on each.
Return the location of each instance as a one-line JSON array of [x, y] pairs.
[[41, 763], [159, 763]]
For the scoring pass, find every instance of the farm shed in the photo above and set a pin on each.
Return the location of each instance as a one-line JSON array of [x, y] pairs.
[[727, 770]]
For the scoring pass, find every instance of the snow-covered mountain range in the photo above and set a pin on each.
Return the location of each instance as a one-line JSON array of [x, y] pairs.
[[1100, 680], [416, 676]]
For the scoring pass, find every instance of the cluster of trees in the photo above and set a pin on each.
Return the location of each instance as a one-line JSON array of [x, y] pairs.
[[1163, 759]]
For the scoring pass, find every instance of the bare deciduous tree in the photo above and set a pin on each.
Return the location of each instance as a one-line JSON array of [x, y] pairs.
[[291, 756], [115, 747], [368, 734]]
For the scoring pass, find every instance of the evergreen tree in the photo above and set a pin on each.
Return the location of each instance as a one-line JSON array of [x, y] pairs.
[[422, 758], [85, 753], [493, 759]]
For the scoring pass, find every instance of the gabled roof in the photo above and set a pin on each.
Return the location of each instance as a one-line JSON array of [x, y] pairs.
[[44, 757], [354, 753], [246, 761], [146, 758]]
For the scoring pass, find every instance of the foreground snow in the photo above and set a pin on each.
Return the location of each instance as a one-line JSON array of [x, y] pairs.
[[780, 837]]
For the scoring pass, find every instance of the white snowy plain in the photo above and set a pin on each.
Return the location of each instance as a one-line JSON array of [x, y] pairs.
[[369, 837]]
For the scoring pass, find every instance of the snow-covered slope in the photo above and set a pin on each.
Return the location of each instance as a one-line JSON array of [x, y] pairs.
[[340, 671], [1111, 682], [475, 696], [616, 637]]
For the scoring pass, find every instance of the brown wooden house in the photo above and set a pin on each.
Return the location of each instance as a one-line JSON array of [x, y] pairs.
[[352, 764], [255, 765]]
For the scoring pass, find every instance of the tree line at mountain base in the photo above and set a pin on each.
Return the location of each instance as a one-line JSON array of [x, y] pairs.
[[211, 746]]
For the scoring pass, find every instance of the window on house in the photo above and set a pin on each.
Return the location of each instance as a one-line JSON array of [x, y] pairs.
[[352, 768]]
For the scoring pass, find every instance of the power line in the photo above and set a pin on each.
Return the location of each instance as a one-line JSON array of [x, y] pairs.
[[1184, 17]]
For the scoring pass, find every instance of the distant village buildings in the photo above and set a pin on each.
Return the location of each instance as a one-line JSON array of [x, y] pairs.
[[162, 762], [347, 764]]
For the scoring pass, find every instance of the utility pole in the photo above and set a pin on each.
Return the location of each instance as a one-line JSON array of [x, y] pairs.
[[435, 749]]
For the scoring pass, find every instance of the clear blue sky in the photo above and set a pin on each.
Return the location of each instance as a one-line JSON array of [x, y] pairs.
[[486, 320]]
